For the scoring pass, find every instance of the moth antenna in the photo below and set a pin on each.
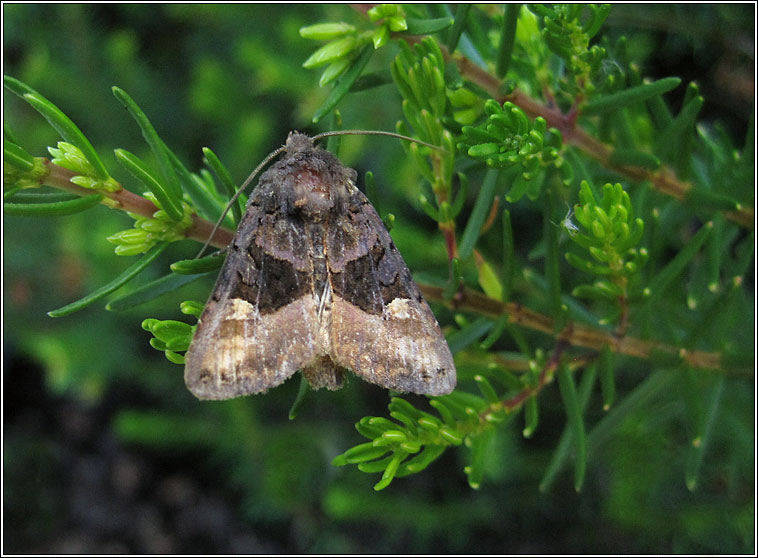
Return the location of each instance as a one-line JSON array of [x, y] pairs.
[[374, 133], [236, 195]]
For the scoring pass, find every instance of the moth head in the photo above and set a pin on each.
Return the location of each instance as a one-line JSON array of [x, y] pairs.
[[317, 179]]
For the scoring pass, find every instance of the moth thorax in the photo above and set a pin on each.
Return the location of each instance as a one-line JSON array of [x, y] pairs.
[[315, 194]]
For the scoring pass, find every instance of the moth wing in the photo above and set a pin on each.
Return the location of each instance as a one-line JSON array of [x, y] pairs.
[[381, 326], [260, 323]]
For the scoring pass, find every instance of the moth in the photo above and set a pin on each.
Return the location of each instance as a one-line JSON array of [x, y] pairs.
[[313, 282]]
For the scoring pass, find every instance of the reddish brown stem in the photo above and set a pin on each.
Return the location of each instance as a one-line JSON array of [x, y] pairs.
[[59, 177], [664, 179], [576, 334]]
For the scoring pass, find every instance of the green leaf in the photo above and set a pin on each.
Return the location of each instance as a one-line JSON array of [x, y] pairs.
[[408, 422], [467, 404], [593, 292], [335, 70], [53, 209], [171, 181], [360, 454], [36, 197], [469, 334], [489, 393], [656, 384], [482, 207], [149, 291], [370, 80], [207, 204], [616, 101], [401, 405], [703, 435], [716, 247], [659, 112], [451, 435], [509, 263], [344, 84], [576, 423], [389, 472], [562, 451], [671, 142], [607, 377], [326, 31], [192, 308], [129, 274], [459, 25], [427, 26], [396, 24], [10, 192], [633, 157], [380, 36], [488, 279], [480, 445], [587, 266], [445, 413], [384, 10], [665, 276], [9, 134], [460, 196], [531, 416], [165, 330], [367, 429], [701, 199], [69, 131], [302, 392], [139, 170], [507, 39], [374, 466], [226, 181], [198, 266], [595, 22], [333, 144], [454, 281], [552, 262], [17, 86], [174, 357], [744, 256], [497, 331], [17, 156], [420, 461], [330, 52], [520, 187]]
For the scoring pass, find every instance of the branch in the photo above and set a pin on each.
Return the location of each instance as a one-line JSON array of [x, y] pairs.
[[664, 179], [574, 333], [59, 177]]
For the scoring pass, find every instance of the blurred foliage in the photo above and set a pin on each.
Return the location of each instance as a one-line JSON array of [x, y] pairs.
[[231, 77]]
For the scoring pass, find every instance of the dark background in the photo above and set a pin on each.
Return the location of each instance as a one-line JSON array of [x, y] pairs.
[[105, 450]]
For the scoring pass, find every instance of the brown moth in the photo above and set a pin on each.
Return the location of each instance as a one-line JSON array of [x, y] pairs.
[[312, 281]]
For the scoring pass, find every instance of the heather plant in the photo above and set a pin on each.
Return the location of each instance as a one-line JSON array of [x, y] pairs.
[[591, 246]]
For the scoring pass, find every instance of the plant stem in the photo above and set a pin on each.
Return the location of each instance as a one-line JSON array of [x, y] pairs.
[[123, 199], [664, 179], [576, 334]]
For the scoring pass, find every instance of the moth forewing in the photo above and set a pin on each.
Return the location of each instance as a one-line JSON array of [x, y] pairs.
[[313, 281], [381, 327], [246, 342]]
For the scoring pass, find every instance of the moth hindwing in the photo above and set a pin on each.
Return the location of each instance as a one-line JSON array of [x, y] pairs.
[[312, 281]]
